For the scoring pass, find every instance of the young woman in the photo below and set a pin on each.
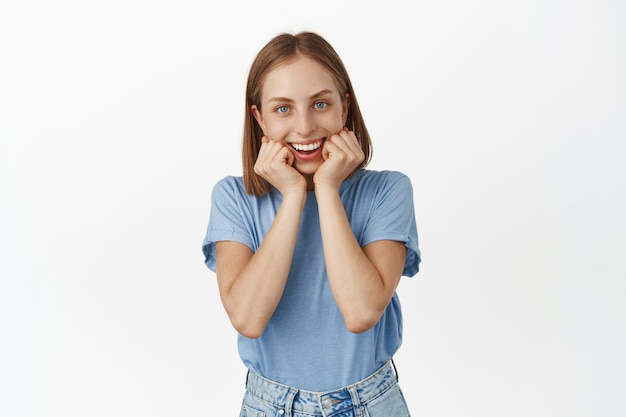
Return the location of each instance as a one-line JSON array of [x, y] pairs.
[[309, 246]]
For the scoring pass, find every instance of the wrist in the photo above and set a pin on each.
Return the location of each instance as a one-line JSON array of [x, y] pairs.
[[295, 196], [326, 190]]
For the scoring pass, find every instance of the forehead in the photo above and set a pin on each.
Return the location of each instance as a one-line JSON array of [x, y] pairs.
[[301, 77]]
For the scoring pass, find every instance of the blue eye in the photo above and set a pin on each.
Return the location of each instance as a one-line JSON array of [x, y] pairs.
[[282, 109], [320, 105]]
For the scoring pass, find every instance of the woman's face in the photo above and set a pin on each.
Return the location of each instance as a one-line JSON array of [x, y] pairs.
[[301, 107]]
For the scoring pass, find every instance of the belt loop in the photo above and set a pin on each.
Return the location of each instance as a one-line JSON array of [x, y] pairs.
[[356, 401], [247, 378], [395, 370], [289, 402]]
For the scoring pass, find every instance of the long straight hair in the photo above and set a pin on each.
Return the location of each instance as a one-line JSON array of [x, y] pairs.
[[279, 50]]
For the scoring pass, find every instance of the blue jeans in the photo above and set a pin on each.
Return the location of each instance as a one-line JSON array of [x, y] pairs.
[[378, 395]]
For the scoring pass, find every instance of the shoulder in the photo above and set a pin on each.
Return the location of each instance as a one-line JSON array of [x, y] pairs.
[[231, 190], [386, 175], [229, 182], [229, 186], [228, 193], [379, 180]]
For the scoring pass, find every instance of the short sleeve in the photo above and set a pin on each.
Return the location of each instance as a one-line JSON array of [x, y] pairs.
[[226, 221], [393, 218]]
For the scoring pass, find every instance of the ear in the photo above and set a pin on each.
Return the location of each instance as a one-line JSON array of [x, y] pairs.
[[259, 118], [346, 106]]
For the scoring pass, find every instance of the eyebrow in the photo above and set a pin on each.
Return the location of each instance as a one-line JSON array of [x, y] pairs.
[[313, 97]]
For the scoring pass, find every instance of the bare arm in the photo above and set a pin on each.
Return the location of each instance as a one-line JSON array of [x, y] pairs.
[[251, 284], [362, 280]]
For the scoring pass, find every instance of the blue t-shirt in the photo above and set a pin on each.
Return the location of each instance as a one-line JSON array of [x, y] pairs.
[[306, 344]]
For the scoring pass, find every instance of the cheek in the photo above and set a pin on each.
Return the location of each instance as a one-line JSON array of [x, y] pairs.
[[276, 131], [336, 122]]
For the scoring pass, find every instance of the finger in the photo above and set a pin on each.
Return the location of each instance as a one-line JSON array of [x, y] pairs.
[[327, 148], [271, 148], [267, 153], [350, 137], [353, 142], [348, 145], [287, 156], [275, 151], [345, 142]]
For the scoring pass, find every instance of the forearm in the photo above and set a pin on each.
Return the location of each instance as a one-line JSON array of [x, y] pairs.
[[252, 295], [359, 289]]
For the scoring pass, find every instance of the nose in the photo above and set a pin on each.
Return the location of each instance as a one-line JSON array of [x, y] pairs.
[[305, 123]]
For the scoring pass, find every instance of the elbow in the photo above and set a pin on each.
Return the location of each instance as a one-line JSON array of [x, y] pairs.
[[248, 328], [360, 323], [250, 333], [246, 322]]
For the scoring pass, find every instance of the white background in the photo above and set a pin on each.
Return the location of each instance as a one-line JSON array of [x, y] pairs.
[[117, 118]]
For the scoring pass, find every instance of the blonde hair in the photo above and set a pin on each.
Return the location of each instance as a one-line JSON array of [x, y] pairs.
[[277, 51]]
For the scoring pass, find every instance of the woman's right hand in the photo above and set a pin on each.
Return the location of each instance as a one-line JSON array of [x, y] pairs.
[[275, 164]]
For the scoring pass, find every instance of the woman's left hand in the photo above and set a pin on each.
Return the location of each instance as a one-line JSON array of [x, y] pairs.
[[342, 155]]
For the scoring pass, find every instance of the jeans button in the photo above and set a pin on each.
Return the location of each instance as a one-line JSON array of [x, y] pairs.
[[328, 403]]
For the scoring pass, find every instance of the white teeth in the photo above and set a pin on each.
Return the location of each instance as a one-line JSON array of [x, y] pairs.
[[309, 147]]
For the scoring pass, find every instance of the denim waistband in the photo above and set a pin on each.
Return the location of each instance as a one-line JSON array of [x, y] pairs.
[[323, 403]]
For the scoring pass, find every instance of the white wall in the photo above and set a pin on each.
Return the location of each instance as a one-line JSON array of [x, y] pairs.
[[118, 117]]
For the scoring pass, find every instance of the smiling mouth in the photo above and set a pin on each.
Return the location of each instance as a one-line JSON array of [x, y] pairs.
[[306, 148]]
